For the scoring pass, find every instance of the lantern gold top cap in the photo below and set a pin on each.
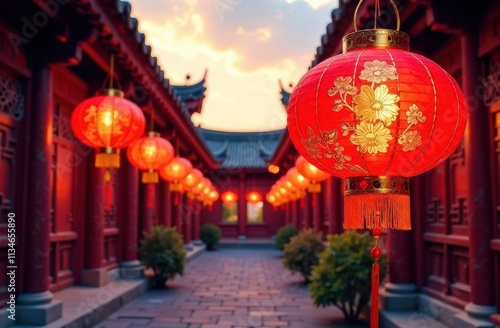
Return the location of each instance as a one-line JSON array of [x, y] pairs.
[[112, 93], [379, 38], [153, 134]]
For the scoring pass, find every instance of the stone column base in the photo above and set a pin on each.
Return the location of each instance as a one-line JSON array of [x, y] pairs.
[[197, 242], [399, 297], [242, 238], [131, 270], [40, 314], [464, 320], [188, 247], [95, 277]]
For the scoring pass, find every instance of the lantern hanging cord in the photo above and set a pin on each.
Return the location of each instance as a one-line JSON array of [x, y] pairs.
[[152, 122], [377, 14]]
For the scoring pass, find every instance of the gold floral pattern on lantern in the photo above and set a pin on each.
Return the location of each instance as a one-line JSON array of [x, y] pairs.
[[312, 143], [376, 105], [378, 71], [414, 115], [375, 109], [371, 138], [410, 140]]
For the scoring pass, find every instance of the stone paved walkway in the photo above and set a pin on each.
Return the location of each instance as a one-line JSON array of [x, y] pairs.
[[229, 288]]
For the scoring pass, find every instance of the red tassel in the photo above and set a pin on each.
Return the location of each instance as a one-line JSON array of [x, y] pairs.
[[150, 200], [176, 198], [375, 287], [107, 190]]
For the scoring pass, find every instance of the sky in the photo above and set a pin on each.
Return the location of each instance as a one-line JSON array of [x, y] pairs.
[[247, 47]]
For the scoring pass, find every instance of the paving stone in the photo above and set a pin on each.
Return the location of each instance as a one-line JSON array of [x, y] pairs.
[[229, 289]]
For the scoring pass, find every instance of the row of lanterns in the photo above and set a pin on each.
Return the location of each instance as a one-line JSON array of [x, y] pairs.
[[300, 179], [109, 122], [230, 197]]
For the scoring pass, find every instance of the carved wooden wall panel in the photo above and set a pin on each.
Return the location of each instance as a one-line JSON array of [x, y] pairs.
[[68, 186], [12, 104]]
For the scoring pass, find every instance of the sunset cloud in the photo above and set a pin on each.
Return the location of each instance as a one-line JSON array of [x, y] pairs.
[[247, 45]]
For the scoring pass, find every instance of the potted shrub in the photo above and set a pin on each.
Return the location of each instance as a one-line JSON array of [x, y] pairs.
[[343, 276], [210, 235], [162, 250], [284, 235], [302, 252]]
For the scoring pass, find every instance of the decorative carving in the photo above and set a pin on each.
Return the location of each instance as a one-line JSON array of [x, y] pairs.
[[492, 82], [62, 124], [11, 97], [376, 37], [435, 211]]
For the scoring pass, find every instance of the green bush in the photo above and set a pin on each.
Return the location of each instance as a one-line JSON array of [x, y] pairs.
[[163, 251], [343, 276], [302, 252], [284, 235], [210, 235]]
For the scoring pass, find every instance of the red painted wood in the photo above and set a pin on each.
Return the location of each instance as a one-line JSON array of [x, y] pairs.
[[94, 250], [165, 203], [479, 194], [130, 212], [146, 209], [306, 213], [197, 220], [242, 207], [295, 214], [188, 219], [179, 212], [37, 229], [401, 261], [288, 212], [316, 204]]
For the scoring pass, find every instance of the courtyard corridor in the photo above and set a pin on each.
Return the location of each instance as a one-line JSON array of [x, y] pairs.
[[229, 288]]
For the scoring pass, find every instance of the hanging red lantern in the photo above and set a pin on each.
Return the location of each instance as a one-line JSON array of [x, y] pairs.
[[191, 180], [380, 115], [229, 198], [312, 173], [376, 115], [107, 122], [253, 197], [297, 179], [175, 171], [149, 154]]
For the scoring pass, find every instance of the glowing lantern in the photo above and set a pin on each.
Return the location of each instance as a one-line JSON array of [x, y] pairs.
[[274, 169], [297, 179], [229, 198], [312, 173], [108, 122], [376, 115], [213, 196], [150, 154], [191, 180], [253, 197], [175, 171]]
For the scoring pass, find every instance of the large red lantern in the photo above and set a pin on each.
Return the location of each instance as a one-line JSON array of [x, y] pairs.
[[149, 154], [312, 173], [376, 115], [108, 122], [175, 171]]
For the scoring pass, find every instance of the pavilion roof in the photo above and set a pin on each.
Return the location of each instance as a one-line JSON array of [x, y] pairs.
[[242, 150]]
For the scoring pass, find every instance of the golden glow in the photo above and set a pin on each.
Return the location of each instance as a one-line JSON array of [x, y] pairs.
[[274, 169]]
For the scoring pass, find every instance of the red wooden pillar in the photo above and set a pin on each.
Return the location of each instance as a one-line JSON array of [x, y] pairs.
[[287, 212], [165, 202], [479, 192], [315, 211], [306, 210], [94, 274], [130, 214], [242, 213], [188, 210], [295, 216], [196, 220], [333, 201], [179, 212], [147, 207], [39, 194]]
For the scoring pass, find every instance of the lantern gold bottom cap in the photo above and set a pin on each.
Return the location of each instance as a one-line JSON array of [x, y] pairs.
[[108, 159]]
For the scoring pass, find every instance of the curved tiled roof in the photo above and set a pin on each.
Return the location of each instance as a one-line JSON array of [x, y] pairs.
[[192, 92], [242, 150]]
